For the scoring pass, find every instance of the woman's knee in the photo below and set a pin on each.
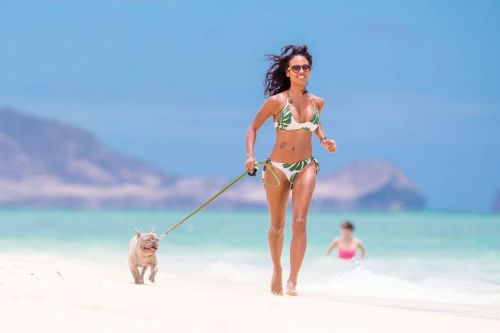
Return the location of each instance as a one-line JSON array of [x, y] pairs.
[[299, 224], [277, 227]]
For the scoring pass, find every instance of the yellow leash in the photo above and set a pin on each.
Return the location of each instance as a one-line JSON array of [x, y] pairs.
[[224, 189]]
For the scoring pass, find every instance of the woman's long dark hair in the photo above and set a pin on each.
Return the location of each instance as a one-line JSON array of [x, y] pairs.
[[276, 80]]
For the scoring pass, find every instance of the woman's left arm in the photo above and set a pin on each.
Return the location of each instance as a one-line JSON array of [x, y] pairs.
[[329, 144], [362, 248]]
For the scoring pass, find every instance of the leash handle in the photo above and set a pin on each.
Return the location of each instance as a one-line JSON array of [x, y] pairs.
[[268, 166]]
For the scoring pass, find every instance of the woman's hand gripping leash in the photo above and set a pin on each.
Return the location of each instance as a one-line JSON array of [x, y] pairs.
[[252, 168]]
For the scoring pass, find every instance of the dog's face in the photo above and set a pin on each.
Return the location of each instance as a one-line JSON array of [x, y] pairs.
[[148, 242]]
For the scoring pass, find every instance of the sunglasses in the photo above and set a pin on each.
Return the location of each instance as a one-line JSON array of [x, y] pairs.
[[297, 68]]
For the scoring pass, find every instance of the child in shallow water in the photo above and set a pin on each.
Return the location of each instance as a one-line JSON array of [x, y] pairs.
[[346, 243]]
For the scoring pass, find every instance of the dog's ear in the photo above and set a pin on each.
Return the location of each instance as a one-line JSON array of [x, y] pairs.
[[138, 233], [153, 231]]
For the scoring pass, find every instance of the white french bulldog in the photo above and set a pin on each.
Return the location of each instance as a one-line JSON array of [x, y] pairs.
[[142, 253]]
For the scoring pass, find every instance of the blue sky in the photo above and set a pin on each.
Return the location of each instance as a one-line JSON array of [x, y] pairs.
[[176, 83]]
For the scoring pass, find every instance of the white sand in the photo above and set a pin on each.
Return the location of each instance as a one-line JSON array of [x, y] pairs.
[[41, 293]]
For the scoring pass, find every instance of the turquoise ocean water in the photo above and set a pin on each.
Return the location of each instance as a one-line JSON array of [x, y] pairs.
[[431, 257]]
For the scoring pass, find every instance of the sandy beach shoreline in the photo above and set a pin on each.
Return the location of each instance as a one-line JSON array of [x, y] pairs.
[[48, 293]]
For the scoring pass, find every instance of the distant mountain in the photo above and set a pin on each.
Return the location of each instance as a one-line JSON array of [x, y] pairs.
[[46, 163], [356, 186], [49, 164], [368, 185], [496, 204]]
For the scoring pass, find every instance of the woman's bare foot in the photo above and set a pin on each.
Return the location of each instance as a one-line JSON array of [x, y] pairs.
[[290, 289], [276, 282]]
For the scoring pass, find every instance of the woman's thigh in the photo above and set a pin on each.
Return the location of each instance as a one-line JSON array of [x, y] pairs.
[[303, 189], [277, 196]]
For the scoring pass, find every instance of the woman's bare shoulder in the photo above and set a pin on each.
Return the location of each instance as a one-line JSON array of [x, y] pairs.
[[319, 101], [278, 98], [276, 102]]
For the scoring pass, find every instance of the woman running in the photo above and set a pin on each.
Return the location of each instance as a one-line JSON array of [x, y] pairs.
[[296, 114], [346, 243]]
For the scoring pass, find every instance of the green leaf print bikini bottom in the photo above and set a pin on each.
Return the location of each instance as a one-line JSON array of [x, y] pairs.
[[291, 170]]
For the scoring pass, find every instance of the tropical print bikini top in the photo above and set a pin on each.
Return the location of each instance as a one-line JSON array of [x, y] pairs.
[[285, 120]]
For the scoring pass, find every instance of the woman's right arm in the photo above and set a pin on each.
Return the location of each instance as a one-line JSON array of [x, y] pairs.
[[332, 246], [267, 110]]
